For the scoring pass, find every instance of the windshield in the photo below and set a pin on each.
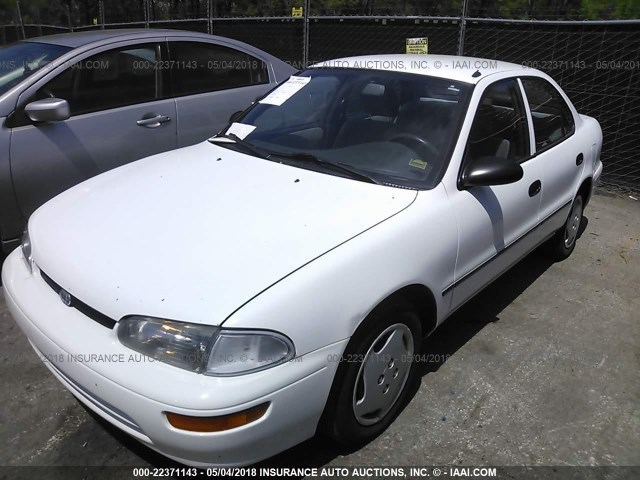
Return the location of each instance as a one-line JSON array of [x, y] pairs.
[[395, 128], [20, 60]]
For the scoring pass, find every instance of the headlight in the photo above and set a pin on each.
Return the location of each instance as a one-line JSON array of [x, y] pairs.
[[205, 349], [180, 344], [236, 352], [26, 249]]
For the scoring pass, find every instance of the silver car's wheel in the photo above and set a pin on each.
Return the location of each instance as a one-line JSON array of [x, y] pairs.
[[383, 374], [375, 375]]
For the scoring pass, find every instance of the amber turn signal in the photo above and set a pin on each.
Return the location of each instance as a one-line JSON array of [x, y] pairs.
[[217, 424]]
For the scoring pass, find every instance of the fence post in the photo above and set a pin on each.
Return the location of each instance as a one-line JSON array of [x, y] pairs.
[[305, 33], [463, 26], [210, 17], [20, 19], [101, 14], [145, 5], [39, 21], [69, 16]]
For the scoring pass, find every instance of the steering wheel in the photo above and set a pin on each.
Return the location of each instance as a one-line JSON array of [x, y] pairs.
[[410, 139]]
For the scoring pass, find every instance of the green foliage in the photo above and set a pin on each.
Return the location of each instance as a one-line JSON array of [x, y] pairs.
[[55, 12], [608, 9]]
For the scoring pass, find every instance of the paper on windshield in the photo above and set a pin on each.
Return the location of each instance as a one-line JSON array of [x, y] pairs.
[[285, 91], [240, 130]]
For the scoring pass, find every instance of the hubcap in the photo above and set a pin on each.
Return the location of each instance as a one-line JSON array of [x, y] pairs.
[[573, 223], [383, 374]]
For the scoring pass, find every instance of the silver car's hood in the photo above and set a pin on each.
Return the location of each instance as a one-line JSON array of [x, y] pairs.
[[200, 229]]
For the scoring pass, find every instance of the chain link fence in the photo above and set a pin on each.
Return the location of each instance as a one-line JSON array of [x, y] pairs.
[[598, 66], [591, 47]]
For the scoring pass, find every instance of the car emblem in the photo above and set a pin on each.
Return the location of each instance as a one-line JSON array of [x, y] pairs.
[[65, 297]]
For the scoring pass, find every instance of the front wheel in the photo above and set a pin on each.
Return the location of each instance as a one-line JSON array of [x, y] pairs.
[[374, 378], [561, 245]]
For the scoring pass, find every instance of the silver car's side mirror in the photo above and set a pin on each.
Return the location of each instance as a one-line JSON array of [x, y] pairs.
[[48, 110]]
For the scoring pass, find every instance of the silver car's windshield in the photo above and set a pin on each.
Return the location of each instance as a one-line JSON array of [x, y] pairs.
[[22, 59], [392, 127]]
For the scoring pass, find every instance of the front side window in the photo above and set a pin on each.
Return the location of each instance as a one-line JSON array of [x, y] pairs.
[[115, 78], [22, 59], [396, 128], [500, 126], [198, 67], [552, 117]]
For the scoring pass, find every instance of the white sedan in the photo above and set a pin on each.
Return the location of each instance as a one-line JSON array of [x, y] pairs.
[[225, 301]]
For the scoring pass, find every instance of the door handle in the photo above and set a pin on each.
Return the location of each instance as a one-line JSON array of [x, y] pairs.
[[535, 188], [153, 122], [579, 159]]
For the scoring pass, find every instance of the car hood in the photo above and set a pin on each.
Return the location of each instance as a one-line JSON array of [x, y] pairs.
[[195, 233]]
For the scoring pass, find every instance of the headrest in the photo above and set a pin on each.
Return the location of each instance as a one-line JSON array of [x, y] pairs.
[[373, 90]]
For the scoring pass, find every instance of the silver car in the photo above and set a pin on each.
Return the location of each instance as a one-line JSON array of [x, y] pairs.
[[78, 104]]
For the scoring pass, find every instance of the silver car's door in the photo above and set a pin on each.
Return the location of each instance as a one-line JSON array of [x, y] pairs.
[[496, 224], [118, 114], [211, 82]]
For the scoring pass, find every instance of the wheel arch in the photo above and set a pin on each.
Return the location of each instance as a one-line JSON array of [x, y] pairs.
[[416, 296], [422, 299], [585, 190]]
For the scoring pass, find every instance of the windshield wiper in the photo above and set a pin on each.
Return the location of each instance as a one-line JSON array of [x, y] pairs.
[[239, 141], [308, 157]]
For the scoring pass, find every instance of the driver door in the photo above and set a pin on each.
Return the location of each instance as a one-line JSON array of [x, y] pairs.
[[496, 224]]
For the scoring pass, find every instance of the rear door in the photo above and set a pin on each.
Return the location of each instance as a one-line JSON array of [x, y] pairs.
[[211, 82], [118, 114], [562, 158]]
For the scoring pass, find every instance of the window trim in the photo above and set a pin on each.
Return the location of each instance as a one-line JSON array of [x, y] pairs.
[[532, 134], [535, 151]]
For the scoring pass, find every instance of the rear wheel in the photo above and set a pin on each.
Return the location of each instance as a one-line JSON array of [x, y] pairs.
[[561, 245], [374, 377]]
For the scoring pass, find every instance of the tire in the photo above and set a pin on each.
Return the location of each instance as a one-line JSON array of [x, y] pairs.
[[561, 245], [382, 349]]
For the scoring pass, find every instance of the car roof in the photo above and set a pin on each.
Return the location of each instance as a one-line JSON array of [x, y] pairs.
[[79, 39], [463, 69]]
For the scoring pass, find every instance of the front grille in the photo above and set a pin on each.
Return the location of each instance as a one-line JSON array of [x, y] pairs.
[[82, 307]]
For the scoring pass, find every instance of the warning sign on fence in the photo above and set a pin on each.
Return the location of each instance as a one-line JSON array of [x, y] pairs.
[[296, 11], [418, 45]]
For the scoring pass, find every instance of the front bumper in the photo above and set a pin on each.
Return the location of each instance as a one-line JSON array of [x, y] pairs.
[[132, 391]]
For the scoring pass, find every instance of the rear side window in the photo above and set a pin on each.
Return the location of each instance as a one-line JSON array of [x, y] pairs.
[[204, 67], [552, 118], [110, 79], [500, 126]]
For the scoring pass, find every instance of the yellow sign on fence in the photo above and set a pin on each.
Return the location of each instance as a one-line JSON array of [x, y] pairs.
[[418, 45], [296, 11]]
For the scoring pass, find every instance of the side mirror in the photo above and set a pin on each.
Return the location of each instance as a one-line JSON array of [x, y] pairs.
[[48, 110], [235, 116], [487, 171]]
